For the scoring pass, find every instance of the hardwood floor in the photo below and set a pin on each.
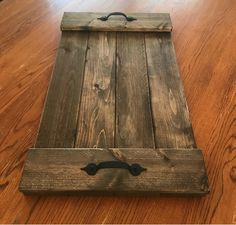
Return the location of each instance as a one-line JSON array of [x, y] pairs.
[[204, 37]]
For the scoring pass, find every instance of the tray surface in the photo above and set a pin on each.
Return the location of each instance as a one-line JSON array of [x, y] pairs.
[[115, 88]]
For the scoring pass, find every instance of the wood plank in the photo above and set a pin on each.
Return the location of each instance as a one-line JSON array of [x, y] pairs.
[[96, 121], [58, 125], [134, 126], [167, 171], [148, 22], [173, 128]]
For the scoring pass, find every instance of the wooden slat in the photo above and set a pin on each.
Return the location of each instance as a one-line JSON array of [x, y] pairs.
[[97, 110], [171, 117], [134, 126], [149, 22], [168, 171], [58, 125]]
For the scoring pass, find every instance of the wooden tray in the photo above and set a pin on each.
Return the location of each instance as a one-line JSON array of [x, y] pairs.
[[115, 101]]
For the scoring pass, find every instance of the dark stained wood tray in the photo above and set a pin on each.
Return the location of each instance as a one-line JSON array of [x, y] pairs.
[[115, 101]]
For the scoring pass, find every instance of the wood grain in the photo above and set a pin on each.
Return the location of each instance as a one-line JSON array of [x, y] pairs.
[[168, 171], [150, 22], [58, 125], [171, 120], [134, 126], [116, 69], [204, 33], [96, 122]]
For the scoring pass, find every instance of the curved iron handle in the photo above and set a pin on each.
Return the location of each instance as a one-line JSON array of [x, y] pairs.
[[92, 168], [105, 18]]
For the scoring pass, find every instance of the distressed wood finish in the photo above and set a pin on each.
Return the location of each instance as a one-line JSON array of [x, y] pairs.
[[58, 125], [173, 128], [134, 126], [167, 171], [149, 22], [96, 122], [100, 96]]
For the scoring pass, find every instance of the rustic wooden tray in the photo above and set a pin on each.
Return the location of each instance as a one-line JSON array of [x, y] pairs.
[[115, 119]]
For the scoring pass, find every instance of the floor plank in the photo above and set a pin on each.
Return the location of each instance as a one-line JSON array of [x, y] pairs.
[[203, 34]]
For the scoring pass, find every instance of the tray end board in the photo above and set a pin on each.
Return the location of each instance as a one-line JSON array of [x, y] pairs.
[[58, 171]]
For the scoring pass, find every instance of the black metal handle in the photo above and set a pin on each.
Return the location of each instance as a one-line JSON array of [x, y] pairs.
[[105, 18], [92, 168]]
